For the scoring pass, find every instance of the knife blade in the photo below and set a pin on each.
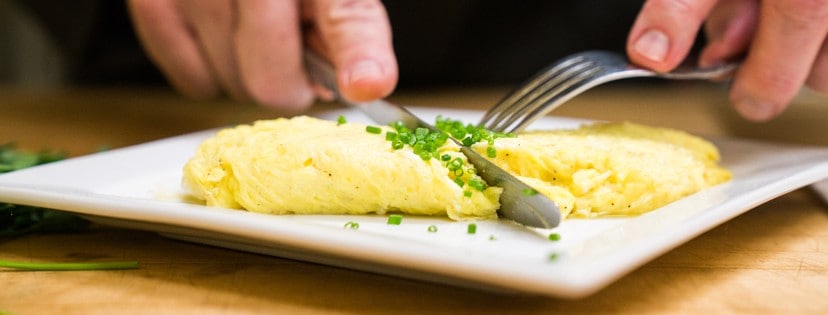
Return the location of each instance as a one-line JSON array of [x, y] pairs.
[[530, 209]]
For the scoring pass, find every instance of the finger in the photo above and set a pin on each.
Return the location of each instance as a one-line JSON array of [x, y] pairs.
[[357, 36], [212, 23], [789, 37], [172, 47], [664, 32], [729, 28], [269, 50], [818, 79]]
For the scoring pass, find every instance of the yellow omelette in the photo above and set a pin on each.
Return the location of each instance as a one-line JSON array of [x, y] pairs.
[[306, 165]]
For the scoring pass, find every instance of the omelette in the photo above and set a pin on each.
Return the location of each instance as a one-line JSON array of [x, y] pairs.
[[305, 165]]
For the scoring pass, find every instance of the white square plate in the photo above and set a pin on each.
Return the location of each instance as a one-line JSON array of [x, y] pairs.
[[138, 187]]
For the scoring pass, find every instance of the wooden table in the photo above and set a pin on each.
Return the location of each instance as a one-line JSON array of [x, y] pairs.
[[773, 259]]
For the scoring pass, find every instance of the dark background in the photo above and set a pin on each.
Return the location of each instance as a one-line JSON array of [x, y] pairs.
[[438, 43]]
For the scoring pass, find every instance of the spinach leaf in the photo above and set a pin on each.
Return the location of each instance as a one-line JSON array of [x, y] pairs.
[[16, 220]]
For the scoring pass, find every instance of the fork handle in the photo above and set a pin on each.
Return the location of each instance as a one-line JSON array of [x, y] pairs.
[[719, 72]]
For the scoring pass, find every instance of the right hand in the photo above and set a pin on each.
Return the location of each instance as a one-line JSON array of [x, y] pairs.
[[252, 49]]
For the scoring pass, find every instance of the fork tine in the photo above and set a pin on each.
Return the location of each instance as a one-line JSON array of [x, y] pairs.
[[554, 98], [571, 76], [542, 91], [527, 87]]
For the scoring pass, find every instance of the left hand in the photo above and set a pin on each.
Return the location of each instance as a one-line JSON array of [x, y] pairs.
[[784, 43]]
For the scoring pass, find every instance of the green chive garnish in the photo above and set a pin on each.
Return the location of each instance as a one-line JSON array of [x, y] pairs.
[[529, 192], [553, 256], [467, 193], [432, 228], [390, 136], [69, 266], [352, 225], [459, 181], [491, 152], [554, 237], [395, 219], [425, 143], [472, 228], [340, 120], [477, 184], [373, 129]]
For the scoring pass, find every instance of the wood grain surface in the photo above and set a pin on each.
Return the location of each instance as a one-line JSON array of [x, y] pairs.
[[771, 260]]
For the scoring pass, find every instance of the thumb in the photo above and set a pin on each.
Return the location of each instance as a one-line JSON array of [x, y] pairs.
[[357, 38]]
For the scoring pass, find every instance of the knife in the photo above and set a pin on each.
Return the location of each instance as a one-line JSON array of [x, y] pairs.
[[534, 209]]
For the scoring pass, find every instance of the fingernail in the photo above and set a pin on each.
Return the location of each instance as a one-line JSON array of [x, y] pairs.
[[653, 45], [363, 70], [755, 110]]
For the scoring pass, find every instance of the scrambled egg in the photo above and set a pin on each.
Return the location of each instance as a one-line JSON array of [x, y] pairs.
[[307, 165]]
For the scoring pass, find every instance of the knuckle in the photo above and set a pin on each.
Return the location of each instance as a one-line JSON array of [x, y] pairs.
[[780, 81], [678, 8], [339, 12], [801, 12], [777, 87], [283, 98]]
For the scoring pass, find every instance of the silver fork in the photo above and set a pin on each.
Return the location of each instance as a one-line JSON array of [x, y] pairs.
[[573, 75]]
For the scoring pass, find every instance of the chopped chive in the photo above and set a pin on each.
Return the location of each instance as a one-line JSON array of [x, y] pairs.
[[395, 219], [491, 152], [492, 237], [458, 172], [373, 129], [421, 133], [467, 141], [352, 225], [554, 237], [472, 228], [455, 164], [553, 256], [459, 182], [477, 184], [340, 120], [467, 193], [69, 266], [390, 136], [529, 191], [432, 228]]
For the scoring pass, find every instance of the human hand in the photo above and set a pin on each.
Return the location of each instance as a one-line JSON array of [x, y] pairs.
[[784, 44], [252, 49]]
